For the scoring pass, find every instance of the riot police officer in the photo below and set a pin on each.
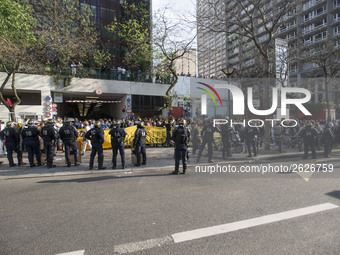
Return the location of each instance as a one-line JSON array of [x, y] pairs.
[[181, 136], [195, 139], [139, 143], [11, 134], [226, 133], [50, 136], [328, 138], [117, 142], [96, 135], [69, 134], [207, 135], [249, 135], [30, 136], [309, 135]]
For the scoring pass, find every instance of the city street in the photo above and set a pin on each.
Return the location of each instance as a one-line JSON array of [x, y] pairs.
[[152, 212]]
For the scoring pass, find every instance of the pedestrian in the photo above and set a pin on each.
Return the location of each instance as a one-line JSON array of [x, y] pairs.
[[73, 69], [196, 140], [117, 142], [207, 135], [181, 136], [139, 143], [69, 134], [12, 143], [50, 136], [328, 138], [96, 135], [226, 133], [87, 142], [250, 135], [30, 136], [309, 134]]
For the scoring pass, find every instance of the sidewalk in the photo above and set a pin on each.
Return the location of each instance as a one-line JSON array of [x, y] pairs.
[[158, 158]]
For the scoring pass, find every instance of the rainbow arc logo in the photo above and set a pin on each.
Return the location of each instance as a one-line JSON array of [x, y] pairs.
[[209, 93]]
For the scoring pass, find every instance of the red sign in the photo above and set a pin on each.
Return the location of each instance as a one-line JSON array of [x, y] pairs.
[[99, 92]]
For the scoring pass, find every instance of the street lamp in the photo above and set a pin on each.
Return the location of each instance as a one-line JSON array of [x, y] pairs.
[[228, 71]]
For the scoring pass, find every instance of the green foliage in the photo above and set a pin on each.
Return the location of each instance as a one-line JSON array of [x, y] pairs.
[[101, 57], [133, 29]]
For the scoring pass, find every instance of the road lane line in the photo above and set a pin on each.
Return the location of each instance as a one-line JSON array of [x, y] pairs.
[[80, 252], [229, 227], [221, 229], [143, 245]]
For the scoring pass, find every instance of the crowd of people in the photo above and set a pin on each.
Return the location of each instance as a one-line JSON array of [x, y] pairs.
[[34, 137]]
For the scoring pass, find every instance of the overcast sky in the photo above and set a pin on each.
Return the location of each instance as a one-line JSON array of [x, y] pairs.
[[176, 5]]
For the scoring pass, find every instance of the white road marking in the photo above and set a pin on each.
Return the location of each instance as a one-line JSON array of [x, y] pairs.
[[138, 246], [221, 229], [80, 252], [229, 227]]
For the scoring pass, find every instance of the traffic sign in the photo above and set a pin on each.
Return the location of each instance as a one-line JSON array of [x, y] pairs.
[[99, 92], [48, 103], [54, 109], [54, 105], [48, 108]]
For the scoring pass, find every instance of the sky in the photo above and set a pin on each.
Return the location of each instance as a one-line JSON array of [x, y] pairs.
[[176, 5]]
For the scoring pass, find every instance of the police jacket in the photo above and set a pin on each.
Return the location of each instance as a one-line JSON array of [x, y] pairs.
[[226, 131], [11, 135], [96, 135], [117, 135], [68, 133], [308, 134], [328, 135], [49, 134], [181, 135], [208, 132], [249, 133], [30, 133], [140, 136]]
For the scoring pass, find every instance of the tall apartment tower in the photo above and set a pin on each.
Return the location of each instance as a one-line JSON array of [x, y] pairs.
[[309, 25]]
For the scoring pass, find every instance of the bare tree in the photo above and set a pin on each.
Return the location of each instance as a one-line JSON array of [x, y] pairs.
[[256, 22], [170, 44]]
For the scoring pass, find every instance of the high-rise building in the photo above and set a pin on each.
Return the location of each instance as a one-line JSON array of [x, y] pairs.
[[305, 28]]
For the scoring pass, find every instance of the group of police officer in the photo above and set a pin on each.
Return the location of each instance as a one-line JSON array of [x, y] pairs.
[[181, 135], [30, 135]]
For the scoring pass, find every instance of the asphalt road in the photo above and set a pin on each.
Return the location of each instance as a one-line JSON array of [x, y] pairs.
[[116, 213]]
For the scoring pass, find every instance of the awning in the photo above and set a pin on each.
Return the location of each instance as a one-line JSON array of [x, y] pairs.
[[92, 101]]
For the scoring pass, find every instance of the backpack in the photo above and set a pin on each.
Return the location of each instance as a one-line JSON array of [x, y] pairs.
[[182, 137]]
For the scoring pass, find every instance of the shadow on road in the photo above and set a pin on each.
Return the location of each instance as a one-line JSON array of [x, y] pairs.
[[104, 178], [335, 193]]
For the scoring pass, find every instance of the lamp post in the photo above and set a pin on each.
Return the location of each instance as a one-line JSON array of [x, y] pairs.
[[228, 71]]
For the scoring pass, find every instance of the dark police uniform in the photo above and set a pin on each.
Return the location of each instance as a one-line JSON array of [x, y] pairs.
[[68, 134], [196, 140], [139, 144], [328, 139], [181, 136], [117, 142], [50, 136], [207, 135], [30, 136], [249, 135], [96, 136], [12, 137], [309, 135], [226, 133]]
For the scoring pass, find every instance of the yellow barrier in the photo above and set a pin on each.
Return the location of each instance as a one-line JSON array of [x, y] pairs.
[[155, 135]]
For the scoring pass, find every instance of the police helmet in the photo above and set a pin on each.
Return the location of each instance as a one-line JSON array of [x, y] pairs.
[[50, 121], [30, 123], [308, 124], [97, 124], [9, 123], [181, 122], [117, 122], [67, 120]]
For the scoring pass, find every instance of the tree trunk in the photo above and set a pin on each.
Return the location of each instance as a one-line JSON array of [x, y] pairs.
[[327, 100]]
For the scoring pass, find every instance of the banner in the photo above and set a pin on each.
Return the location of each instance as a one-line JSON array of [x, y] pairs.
[[154, 135]]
